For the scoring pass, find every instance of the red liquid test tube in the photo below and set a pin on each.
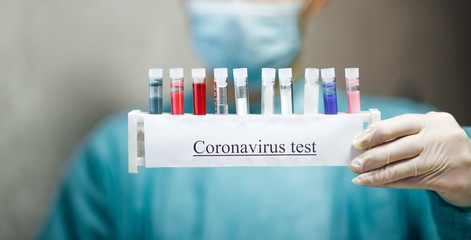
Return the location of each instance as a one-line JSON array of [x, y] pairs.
[[199, 91], [177, 91]]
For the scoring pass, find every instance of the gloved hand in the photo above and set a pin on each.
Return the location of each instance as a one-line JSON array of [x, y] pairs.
[[421, 151]]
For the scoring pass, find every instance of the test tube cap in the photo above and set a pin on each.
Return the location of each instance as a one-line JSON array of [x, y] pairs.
[[268, 73], [198, 72], [328, 73], [155, 73], [240, 72], [285, 73], [240, 76], [352, 73], [220, 73], [176, 72], [311, 73]]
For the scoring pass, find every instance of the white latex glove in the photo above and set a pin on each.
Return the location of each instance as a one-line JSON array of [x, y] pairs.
[[421, 151]]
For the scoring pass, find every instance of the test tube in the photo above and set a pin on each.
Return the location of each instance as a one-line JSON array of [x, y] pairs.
[[220, 91], [177, 91], [286, 91], [155, 87], [352, 79], [268, 90], [199, 91], [329, 90], [311, 91], [241, 93]]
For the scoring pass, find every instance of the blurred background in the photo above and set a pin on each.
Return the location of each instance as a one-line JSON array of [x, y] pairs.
[[65, 65]]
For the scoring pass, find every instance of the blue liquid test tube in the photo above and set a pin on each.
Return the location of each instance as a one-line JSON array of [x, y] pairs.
[[329, 90], [155, 87]]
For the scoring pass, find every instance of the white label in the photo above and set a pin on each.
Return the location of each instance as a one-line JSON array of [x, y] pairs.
[[251, 140]]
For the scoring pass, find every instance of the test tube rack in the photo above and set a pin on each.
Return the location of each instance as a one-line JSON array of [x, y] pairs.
[[164, 140]]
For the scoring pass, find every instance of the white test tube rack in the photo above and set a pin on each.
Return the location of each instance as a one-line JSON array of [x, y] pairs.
[[166, 140]]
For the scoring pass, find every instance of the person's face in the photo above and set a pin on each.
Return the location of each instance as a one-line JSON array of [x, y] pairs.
[[248, 33], [251, 33]]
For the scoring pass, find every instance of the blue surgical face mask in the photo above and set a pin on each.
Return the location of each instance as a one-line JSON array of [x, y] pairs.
[[236, 34]]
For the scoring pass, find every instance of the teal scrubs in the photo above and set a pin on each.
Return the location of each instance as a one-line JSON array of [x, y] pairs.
[[98, 199]]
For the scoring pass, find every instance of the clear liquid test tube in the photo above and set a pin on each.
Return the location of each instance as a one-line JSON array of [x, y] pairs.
[[199, 91], [329, 89], [177, 90], [220, 91], [352, 79], [311, 91], [268, 90], [286, 91], [155, 87], [241, 93]]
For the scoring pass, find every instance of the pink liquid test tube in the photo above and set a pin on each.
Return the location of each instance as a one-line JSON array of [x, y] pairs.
[[352, 79], [199, 91], [177, 91]]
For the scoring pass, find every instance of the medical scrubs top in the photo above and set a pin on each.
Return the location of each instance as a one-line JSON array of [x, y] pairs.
[[98, 199]]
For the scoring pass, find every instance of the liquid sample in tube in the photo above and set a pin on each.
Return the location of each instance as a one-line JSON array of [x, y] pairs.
[[268, 90], [329, 88], [199, 91], [220, 91], [311, 91], [286, 96], [242, 106], [352, 79], [155, 87], [177, 91], [241, 93], [286, 90]]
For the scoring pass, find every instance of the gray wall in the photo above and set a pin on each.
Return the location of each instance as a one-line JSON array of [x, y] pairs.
[[64, 65]]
